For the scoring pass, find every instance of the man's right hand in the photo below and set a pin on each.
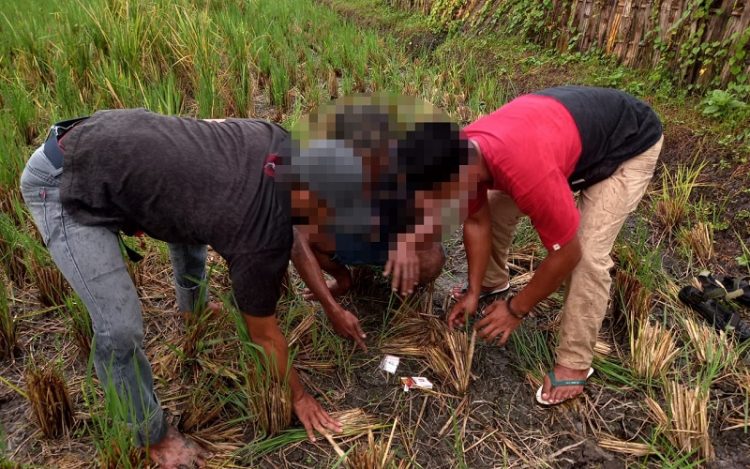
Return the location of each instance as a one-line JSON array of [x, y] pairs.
[[347, 326], [313, 417], [463, 309]]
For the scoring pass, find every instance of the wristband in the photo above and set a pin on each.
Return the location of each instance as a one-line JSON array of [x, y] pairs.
[[516, 315]]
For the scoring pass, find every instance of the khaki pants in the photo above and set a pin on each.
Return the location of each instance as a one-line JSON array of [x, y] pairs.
[[604, 208]]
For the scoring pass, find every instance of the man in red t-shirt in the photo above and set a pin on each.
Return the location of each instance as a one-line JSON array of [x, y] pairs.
[[534, 152]]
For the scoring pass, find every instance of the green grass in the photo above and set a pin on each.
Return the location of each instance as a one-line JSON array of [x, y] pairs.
[[8, 326], [278, 60], [109, 428]]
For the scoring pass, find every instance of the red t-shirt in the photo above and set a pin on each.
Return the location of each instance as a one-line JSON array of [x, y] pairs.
[[531, 146]]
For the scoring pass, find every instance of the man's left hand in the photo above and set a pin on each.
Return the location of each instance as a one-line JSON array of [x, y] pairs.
[[497, 323]]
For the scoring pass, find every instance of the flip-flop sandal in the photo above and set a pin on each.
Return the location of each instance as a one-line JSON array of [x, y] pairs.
[[738, 289], [563, 382], [715, 311], [712, 288], [483, 295]]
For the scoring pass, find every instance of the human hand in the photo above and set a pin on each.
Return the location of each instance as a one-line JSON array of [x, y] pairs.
[[463, 309], [346, 325], [403, 267], [313, 417], [497, 322]]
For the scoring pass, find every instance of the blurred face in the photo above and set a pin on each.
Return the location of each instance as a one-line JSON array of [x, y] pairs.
[[308, 207], [447, 204]]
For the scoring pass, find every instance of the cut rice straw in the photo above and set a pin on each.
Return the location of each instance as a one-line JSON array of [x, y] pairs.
[[630, 448]]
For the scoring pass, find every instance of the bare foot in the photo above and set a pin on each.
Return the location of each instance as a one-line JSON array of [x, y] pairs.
[[175, 451], [563, 393], [338, 287], [213, 307]]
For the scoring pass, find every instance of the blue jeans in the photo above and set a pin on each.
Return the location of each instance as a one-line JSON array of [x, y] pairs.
[[91, 260]]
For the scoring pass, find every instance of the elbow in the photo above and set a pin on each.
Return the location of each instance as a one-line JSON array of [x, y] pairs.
[[297, 248]]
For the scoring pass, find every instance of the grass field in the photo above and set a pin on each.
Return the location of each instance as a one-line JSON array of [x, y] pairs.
[[668, 391]]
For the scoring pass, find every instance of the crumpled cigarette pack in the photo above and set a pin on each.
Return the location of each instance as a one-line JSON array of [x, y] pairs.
[[415, 382]]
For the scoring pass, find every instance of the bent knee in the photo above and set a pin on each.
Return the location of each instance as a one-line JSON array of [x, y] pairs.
[[119, 343], [592, 262], [431, 262]]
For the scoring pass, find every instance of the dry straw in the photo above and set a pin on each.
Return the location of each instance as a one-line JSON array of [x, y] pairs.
[[448, 353], [710, 346], [354, 421], [374, 455], [699, 240], [653, 350], [203, 405], [50, 400], [630, 448], [269, 397], [634, 299], [686, 426], [51, 285], [452, 358]]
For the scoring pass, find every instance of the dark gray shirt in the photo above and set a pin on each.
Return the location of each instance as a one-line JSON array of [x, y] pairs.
[[187, 181]]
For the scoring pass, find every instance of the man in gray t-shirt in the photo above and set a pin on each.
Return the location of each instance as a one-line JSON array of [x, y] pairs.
[[190, 183]]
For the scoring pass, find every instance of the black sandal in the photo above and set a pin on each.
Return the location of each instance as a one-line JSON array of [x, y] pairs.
[[738, 289], [715, 310]]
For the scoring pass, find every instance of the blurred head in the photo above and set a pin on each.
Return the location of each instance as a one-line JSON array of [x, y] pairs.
[[364, 157]]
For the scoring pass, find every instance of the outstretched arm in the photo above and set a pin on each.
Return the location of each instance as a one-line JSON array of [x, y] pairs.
[[503, 317], [343, 321], [265, 332], [478, 245], [431, 207]]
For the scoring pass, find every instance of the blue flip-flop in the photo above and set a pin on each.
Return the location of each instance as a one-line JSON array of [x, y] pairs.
[[563, 382]]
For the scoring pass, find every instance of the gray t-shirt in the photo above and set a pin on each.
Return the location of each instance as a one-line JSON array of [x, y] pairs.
[[187, 181]]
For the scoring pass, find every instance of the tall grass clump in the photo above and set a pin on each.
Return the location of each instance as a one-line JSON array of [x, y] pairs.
[[686, 422], [673, 200], [52, 288], [8, 327], [355, 422], [79, 325], [269, 396], [373, 454], [12, 251], [198, 325], [48, 395], [698, 242], [452, 357], [109, 426], [205, 402], [652, 351], [532, 352]]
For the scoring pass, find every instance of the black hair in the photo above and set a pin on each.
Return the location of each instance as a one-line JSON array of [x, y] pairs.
[[431, 154]]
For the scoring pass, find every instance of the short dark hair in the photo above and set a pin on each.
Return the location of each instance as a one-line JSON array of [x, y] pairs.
[[431, 154]]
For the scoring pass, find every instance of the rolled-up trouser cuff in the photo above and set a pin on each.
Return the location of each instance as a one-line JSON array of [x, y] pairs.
[[189, 298], [153, 430]]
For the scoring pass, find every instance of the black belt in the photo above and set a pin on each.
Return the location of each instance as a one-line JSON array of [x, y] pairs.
[[51, 148]]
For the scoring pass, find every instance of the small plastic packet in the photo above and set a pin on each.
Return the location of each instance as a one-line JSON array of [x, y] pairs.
[[389, 364]]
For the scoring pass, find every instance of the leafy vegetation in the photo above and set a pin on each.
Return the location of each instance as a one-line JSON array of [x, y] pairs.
[[654, 399]]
